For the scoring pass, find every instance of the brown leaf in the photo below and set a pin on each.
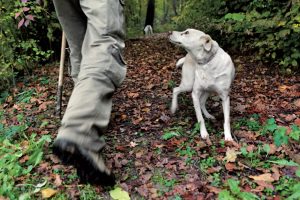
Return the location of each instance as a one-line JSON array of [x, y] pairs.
[[133, 94], [213, 169], [24, 159], [231, 155], [230, 166], [297, 122], [283, 88], [143, 190], [250, 135], [48, 193], [297, 103], [267, 177], [273, 149], [58, 181], [146, 177], [276, 174], [264, 184], [214, 189]]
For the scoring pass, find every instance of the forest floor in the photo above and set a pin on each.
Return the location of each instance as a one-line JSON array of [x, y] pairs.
[[156, 155]]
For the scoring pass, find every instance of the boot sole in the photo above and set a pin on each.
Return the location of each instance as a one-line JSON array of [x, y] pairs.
[[86, 168]]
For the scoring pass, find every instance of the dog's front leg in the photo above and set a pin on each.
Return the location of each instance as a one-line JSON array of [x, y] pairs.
[[176, 92], [196, 100], [226, 111]]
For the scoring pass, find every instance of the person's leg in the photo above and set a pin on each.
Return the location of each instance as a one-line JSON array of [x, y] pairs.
[[102, 70], [73, 22]]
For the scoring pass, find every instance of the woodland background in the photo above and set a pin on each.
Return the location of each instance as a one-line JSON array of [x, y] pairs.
[[30, 33]]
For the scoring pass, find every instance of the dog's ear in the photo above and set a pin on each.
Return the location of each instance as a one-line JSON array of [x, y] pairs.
[[206, 41]]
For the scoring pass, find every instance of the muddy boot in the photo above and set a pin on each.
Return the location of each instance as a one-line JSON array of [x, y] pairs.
[[90, 165]]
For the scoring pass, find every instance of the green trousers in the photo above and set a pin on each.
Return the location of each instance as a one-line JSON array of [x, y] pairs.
[[94, 31]]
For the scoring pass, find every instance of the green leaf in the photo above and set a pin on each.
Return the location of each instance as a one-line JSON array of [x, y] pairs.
[[285, 162], [235, 16], [119, 194], [280, 137], [247, 196], [294, 63], [295, 134], [169, 135], [298, 172], [270, 126], [267, 148], [36, 157], [296, 192], [234, 186], [225, 195]]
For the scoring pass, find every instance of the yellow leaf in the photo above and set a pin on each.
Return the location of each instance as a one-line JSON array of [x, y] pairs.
[[48, 192], [264, 177], [231, 155], [119, 194]]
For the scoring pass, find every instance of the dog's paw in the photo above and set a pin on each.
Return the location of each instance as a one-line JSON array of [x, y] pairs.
[[209, 116], [228, 138], [173, 109], [204, 135]]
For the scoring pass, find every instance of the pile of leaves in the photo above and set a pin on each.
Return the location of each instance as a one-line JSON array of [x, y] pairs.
[[156, 155]]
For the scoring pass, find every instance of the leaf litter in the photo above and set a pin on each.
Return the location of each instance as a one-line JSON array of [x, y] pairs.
[[183, 165]]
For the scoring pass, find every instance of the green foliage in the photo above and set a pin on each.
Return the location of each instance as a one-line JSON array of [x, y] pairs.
[[10, 165], [280, 137], [235, 192], [295, 133], [206, 163], [270, 29], [172, 132], [26, 35]]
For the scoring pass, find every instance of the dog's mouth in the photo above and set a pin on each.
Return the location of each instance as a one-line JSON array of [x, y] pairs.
[[174, 41]]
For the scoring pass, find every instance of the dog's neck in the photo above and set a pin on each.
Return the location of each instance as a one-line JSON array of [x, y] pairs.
[[204, 57]]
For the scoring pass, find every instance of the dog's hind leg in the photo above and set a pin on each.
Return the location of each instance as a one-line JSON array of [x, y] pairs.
[[203, 99], [226, 110], [196, 100], [176, 92]]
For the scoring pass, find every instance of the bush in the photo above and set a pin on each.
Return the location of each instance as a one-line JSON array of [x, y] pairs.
[[27, 32], [269, 29]]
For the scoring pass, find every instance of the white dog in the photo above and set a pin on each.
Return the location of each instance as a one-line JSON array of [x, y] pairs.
[[206, 68], [148, 30]]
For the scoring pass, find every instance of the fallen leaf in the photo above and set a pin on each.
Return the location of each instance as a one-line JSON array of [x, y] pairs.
[[230, 166], [273, 149], [231, 155], [276, 174], [263, 177], [133, 144], [145, 178], [297, 103], [58, 181], [283, 88], [297, 122], [213, 169], [133, 95], [119, 194], [214, 189], [48, 193]]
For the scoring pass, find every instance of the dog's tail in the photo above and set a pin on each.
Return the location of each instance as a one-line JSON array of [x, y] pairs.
[[180, 62]]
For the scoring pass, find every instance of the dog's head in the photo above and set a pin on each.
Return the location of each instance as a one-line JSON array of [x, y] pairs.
[[194, 41], [188, 39]]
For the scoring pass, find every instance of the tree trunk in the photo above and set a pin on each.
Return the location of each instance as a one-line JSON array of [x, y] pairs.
[[174, 4]]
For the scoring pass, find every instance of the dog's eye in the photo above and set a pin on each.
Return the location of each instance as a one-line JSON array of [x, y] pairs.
[[187, 32]]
